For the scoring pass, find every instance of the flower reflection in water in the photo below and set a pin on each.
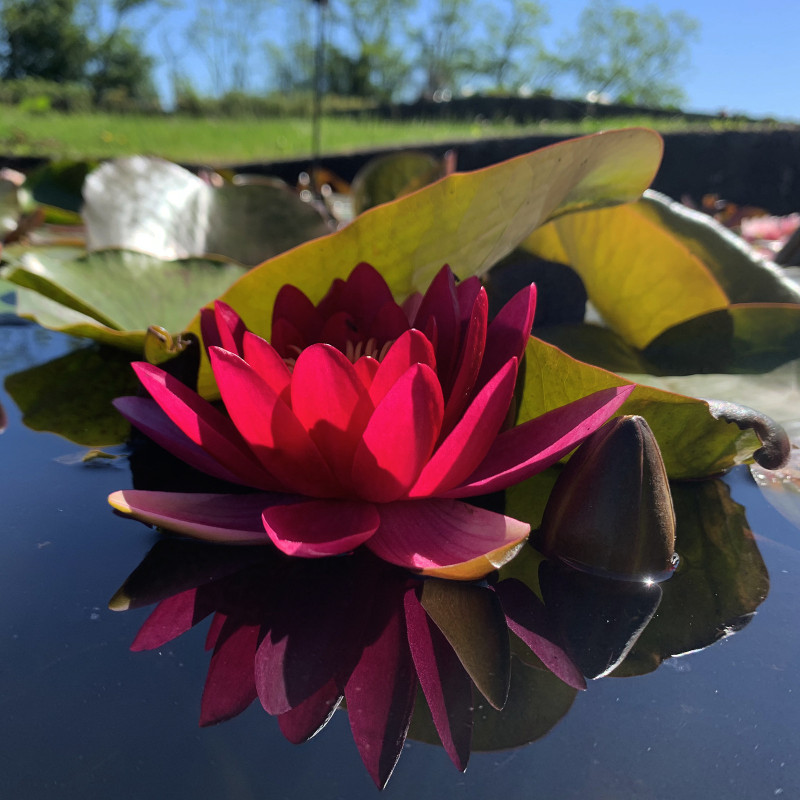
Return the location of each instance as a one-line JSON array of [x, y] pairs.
[[363, 423], [303, 635]]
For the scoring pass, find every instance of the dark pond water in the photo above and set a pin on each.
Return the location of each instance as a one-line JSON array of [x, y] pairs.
[[83, 717]]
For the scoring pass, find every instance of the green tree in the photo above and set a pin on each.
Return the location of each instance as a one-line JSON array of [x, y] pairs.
[[376, 29], [510, 52], [445, 55], [636, 56], [41, 39]]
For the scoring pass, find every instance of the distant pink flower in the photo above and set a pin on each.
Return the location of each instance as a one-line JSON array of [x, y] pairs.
[[770, 233], [362, 423]]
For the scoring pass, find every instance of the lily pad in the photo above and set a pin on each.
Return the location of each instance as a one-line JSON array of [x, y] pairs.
[[115, 295], [391, 176], [694, 444], [155, 206], [469, 220]]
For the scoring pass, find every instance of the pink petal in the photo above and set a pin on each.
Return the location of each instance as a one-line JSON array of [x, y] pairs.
[[230, 518], [230, 327], [319, 528], [286, 339], [467, 444], [273, 432], [148, 417], [400, 436], [411, 348], [533, 446], [445, 682], [508, 332], [433, 533], [203, 424], [473, 340], [331, 403], [527, 617], [267, 362], [230, 686], [367, 368], [306, 720], [380, 695]]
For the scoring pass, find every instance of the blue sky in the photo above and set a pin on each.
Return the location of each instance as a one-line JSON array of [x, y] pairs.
[[745, 58]]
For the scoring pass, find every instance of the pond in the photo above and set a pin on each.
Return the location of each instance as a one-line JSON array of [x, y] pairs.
[[84, 717]]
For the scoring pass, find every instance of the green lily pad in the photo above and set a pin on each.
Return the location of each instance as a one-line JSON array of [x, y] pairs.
[[113, 296], [72, 395], [151, 205], [720, 581], [694, 444], [469, 220], [741, 271]]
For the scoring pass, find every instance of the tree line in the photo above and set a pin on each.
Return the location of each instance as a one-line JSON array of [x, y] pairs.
[[379, 50]]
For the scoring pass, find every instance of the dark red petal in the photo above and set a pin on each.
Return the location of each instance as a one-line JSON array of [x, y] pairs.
[[381, 692], [389, 322], [445, 682], [508, 333], [400, 436], [168, 620], [306, 720], [293, 307], [527, 617], [316, 632], [230, 686], [440, 304], [208, 328], [365, 292], [469, 362], [533, 446], [320, 528]]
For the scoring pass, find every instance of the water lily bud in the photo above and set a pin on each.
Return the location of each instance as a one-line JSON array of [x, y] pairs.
[[610, 511]]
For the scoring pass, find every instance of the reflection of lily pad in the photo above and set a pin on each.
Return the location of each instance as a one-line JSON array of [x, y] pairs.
[[154, 206], [72, 395], [719, 584], [537, 700], [115, 295]]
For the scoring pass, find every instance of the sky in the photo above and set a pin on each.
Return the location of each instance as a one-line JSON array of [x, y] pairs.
[[746, 58]]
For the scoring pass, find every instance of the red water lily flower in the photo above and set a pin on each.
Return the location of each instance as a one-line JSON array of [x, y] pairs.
[[363, 423]]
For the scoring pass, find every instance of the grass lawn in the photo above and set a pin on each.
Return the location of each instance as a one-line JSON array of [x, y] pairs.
[[221, 141]]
